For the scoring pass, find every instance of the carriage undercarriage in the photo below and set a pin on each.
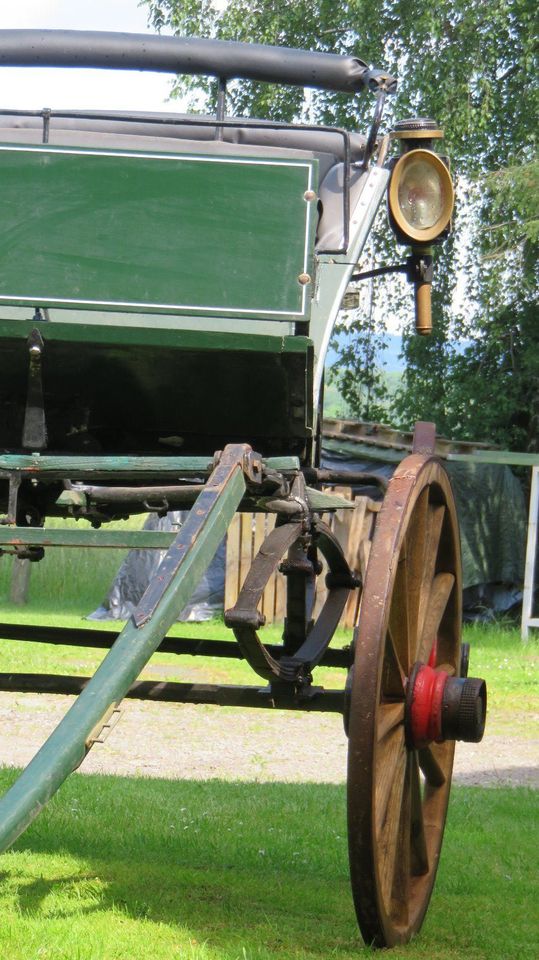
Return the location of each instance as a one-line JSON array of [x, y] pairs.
[[406, 699]]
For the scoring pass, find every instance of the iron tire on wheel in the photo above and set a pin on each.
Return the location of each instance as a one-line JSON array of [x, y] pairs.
[[397, 790]]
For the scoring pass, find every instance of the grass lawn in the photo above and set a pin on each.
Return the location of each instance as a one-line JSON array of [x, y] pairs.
[[121, 868]]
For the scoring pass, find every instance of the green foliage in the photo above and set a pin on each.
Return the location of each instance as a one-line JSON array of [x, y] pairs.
[[514, 195], [358, 374], [495, 382], [473, 67]]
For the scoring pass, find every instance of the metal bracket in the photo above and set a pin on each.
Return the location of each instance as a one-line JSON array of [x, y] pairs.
[[252, 468], [14, 484], [300, 689], [102, 729], [380, 272], [292, 505], [20, 550], [251, 464], [380, 84], [294, 666], [34, 434]]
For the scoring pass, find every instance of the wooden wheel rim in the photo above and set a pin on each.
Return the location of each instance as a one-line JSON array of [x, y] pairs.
[[414, 566]]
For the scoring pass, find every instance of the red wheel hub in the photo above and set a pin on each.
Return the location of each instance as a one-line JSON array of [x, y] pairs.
[[426, 705], [440, 707]]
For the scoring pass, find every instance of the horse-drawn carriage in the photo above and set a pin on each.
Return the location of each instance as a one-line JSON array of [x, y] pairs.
[[168, 287]]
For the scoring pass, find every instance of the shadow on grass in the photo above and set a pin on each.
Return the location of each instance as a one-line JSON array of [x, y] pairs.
[[526, 776], [257, 864]]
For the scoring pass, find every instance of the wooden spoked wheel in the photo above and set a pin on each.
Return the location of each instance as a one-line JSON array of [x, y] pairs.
[[398, 790]]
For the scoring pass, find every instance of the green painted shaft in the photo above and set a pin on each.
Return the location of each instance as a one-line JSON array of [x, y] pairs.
[[37, 465], [67, 746]]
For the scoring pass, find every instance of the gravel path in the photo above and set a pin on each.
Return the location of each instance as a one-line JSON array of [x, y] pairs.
[[196, 742]]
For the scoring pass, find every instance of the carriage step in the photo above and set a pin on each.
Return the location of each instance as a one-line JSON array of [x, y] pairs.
[[102, 729]]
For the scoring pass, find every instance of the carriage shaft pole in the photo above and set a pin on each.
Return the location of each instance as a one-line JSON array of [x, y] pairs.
[[167, 594]]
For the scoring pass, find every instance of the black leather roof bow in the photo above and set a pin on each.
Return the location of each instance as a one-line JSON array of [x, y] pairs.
[[219, 58]]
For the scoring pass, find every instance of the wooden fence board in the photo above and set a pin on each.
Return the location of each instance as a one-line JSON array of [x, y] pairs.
[[232, 562], [268, 597], [279, 612], [246, 546]]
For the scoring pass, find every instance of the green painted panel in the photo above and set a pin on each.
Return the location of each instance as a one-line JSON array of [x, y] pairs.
[[152, 232], [318, 500], [508, 457]]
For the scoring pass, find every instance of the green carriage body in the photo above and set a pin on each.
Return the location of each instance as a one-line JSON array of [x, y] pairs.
[[130, 237], [191, 273]]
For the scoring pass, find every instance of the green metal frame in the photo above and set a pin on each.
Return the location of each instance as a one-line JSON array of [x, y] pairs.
[[235, 478], [334, 271]]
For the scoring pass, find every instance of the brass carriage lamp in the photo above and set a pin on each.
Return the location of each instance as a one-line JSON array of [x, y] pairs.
[[420, 201]]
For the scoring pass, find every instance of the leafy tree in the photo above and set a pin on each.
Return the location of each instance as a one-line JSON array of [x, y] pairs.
[[496, 383], [473, 67], [359, 375]]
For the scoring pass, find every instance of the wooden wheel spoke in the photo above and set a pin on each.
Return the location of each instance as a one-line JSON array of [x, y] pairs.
[[390, 716], [393, 676], [391, 824], [435, 519], [440, 591], [390, 767], [402, 863], [398, 616], [419, 856], [432, 771]]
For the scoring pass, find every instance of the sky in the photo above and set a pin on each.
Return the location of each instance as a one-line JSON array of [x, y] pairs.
[[33, 88]]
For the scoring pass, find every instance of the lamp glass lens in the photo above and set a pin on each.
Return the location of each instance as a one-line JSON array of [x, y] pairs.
[[421, 194]]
